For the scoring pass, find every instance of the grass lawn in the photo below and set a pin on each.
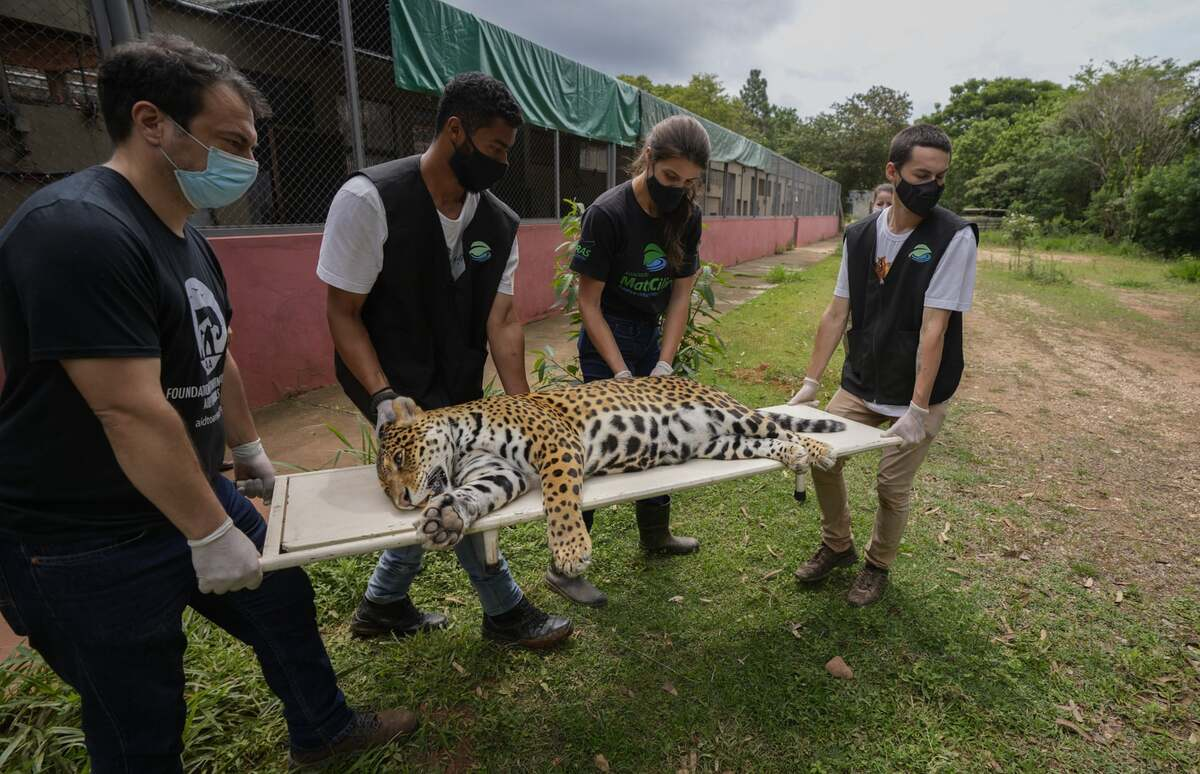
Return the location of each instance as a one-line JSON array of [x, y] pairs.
[[975, 660]]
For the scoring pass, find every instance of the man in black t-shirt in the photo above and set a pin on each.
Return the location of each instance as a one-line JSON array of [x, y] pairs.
[[115, 331]]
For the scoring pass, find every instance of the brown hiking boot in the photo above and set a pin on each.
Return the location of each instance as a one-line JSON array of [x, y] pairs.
[[868, 587], [825, 561], [367, 730]]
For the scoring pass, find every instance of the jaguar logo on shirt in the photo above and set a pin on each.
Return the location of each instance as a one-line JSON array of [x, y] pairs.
[[212, 335], [921, 253], [479, 252], [653, 257]]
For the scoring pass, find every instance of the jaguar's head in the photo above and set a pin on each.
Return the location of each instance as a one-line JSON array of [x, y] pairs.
[[415, 456]]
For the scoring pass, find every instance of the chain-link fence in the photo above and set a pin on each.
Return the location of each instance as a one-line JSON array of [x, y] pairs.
[[50, 123], [325, 68]]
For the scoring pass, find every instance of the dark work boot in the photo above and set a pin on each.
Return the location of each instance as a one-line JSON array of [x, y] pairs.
[[825, 561], [526, 626], [654, 529], [400, 618], [868, 587], [579, 590], [367, 730]]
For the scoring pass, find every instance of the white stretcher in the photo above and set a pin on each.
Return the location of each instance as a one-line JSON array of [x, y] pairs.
[[330, 513]]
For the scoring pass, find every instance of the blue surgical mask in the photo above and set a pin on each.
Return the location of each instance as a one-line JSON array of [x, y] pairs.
[[224, 179]]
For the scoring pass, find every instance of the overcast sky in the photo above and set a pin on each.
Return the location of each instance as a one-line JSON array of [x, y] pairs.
[[814, 53]]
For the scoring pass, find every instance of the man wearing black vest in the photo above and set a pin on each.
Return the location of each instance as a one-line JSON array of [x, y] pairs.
[[907, 275], [420, 259]]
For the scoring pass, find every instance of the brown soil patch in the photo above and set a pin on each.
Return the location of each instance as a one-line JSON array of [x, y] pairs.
[[1093, 432]]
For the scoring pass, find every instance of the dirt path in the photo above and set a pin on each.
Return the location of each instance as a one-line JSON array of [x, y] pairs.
[[1094, 431]]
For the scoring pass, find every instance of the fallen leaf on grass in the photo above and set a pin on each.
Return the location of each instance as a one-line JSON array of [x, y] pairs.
[[458, 667], [1120, 597], [1025, 557], [455, 600], [944, 535], [745, 512], [1072, 726], [1042, 635], [956, 571], [601, 762], [677, 599], [479, 691], [1193, 738], [796, 626], [1008, 523], [933, 510], [670, 689], [1089, 582], [774, 553], [837, 667], [706, 601], [770, 575], [545, 687]]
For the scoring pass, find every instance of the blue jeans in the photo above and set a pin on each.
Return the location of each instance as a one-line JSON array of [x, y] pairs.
[[498, 591], [397, 568], [107, 616], [640, 343]]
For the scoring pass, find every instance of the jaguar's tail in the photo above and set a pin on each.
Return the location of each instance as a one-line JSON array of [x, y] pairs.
[[798, 425]]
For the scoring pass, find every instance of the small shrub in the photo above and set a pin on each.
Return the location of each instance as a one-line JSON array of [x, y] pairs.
[[1187, 269], [782, 275]]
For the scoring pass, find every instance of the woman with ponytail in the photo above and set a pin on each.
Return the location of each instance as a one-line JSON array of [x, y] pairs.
[[637, 260]]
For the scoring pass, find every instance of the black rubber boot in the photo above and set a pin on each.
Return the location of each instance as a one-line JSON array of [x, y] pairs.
[[400, 618], [579, 590], [526, 626], [654, 529]]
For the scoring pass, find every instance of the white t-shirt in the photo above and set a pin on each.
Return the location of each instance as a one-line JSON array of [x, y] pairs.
[[951, 287], [356, 228]]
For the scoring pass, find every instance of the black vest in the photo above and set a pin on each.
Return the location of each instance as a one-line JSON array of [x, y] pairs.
[[885, 326], [429, 330]]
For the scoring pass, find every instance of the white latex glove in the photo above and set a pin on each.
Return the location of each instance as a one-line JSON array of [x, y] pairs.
[[662, 369], [385, 412], [626, 374], [226, 560], [910, 428], [250, 465], [807, 394]]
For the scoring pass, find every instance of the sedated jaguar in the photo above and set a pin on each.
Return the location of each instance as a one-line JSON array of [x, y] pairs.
[[463, 462]]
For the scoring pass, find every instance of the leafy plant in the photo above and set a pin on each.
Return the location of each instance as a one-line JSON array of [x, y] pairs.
[[780, 275], [364, 453], [1019, 228], [1187, 269]]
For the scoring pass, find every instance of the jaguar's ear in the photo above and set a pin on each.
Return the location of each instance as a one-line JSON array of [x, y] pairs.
[[407, 411]]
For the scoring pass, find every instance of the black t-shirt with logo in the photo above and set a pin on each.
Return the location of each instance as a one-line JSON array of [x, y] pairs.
[[87, 270], [623, 246]]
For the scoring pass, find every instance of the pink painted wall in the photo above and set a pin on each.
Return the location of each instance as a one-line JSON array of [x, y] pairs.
[[280, 338]]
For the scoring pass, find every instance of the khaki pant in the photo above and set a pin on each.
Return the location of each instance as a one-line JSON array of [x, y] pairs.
[[893, 483]]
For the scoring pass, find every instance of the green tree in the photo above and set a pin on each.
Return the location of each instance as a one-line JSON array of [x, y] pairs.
[[850, 141], [1163, 205], [757, 105], [982, 99], [704, 95]]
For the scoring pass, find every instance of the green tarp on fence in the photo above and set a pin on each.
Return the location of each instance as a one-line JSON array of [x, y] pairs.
[[432, 41], [726, 145]]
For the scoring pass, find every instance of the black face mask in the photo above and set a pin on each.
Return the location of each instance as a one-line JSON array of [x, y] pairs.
[[475, 171], [665, 197], [919, 199]]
